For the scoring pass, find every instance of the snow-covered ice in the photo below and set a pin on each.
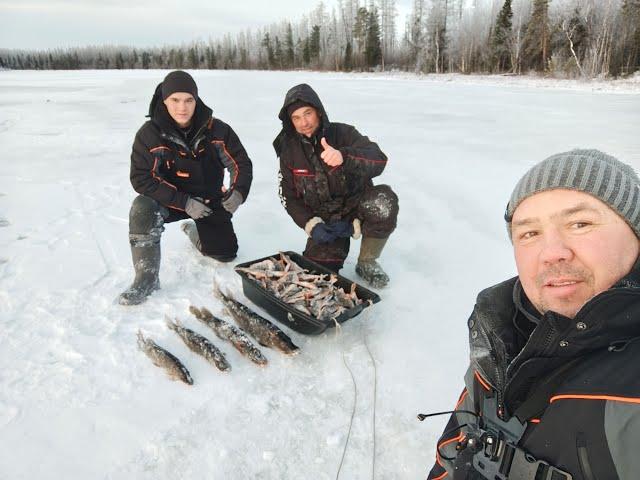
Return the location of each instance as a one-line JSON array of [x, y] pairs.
[[78, 400]]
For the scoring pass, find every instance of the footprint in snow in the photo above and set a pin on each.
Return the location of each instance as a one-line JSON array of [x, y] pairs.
[[4, 222]]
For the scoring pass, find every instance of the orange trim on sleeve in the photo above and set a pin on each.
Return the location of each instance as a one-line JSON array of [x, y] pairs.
[[462, 397], [595, 397], [161, 147], [224, 147], [534, 420], [482, 381], [441, 476]]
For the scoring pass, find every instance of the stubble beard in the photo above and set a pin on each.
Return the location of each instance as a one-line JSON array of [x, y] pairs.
[[568, 306]]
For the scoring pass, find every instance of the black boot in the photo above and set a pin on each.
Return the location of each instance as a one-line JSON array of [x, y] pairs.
[[367, 267], [146, 263]]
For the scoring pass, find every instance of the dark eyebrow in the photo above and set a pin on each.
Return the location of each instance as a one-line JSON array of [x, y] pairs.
[[567, 212]]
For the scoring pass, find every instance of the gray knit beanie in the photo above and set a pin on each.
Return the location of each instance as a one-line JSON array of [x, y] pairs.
[[589, 171]]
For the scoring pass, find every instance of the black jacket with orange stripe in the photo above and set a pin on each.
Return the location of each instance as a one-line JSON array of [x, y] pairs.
[[170, 165], [309, 187], [584, 371]]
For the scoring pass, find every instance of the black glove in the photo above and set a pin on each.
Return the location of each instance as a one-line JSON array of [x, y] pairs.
[[196, 209], [323, 233], [341, 228]]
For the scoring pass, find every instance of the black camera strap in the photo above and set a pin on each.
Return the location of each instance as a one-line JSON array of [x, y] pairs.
[[496, 452]]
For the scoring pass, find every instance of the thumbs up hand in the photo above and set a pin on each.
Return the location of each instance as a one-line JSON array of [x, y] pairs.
[[330, 155]]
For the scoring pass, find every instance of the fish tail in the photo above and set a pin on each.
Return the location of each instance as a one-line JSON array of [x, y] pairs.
[[142, 342], [172, 324]]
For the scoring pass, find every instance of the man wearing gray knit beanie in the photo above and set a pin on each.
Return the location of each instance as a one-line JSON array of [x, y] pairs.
[[553, 389]]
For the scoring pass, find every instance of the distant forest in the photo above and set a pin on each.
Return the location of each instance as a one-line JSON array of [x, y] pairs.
[[568, 38]]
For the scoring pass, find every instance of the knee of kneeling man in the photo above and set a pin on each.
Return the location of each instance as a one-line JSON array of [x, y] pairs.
[[144, 215], [381, 203]]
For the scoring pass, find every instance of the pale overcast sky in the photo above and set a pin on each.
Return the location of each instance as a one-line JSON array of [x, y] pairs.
[[43, 24]]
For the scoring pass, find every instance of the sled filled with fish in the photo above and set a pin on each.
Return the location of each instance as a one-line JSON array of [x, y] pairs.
[[302, 294]]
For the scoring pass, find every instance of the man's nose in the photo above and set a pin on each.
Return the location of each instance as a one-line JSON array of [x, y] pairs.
[[555, 247]]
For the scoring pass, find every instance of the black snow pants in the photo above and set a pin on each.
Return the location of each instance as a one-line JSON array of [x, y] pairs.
[[378, 213], [147, 218]]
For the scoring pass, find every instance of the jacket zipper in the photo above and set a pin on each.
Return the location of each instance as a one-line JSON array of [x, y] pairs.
[[499, 380]]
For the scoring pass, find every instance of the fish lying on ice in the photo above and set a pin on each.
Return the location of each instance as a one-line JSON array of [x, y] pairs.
[[163, 359], [228, 332], [200, 345], [264, 331]]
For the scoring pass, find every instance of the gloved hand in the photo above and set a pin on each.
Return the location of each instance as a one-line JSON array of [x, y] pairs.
[[231, 202], [196, 208], [323, 233], [341, 228]]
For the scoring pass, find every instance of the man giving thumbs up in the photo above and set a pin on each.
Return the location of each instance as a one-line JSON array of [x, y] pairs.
[[325, 185]]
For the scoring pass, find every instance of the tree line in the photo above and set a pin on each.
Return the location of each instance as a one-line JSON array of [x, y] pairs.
[[573, 38]]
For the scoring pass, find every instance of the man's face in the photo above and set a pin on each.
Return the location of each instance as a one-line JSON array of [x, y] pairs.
[[181, 107], [569, 247], [305, 120]]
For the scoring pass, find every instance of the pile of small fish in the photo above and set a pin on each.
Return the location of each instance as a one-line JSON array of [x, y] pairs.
[[310, 293], [261, 329]]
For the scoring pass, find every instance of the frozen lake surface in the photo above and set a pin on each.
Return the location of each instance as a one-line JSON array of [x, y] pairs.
[[78, 400]]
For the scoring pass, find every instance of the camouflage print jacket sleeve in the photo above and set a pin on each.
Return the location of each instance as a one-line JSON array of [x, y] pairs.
[[292, 200], [145, 170], [360, 154]]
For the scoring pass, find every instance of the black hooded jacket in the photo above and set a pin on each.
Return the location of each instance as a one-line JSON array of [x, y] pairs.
[[170, 165], [573, 383], [309, 187]]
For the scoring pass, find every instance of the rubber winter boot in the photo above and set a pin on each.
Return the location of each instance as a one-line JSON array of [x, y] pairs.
[[146, 263], [367, 267]]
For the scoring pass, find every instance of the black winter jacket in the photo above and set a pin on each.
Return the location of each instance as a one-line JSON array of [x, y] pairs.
[[309, 187], [170, 166], [584, 371]]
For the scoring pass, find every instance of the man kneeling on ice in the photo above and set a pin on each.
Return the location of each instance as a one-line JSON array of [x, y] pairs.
[[177, 166], [325, 185], [553, 389]]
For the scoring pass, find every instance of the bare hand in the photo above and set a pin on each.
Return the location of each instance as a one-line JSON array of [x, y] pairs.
[[330, 155]]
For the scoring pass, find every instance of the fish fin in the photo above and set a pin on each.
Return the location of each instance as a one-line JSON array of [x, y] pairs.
[[170, 323], [141, 340], [216, 288]]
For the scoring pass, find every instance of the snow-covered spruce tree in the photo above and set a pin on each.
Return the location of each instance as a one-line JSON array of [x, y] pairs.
[[360, 36], [373, 47], [629, 46], [288, 48], [536, 51], [502, 39]]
